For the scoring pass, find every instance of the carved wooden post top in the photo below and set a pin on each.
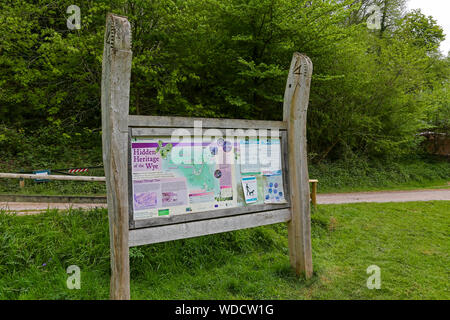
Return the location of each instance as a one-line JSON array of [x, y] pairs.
[[300, 74], [118, 32]]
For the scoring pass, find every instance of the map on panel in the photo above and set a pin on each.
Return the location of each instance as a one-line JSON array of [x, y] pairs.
[[171, 178]]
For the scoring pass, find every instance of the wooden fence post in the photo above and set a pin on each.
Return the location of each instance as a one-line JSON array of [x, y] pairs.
[[314, 183], [296, 99], [115, 107]]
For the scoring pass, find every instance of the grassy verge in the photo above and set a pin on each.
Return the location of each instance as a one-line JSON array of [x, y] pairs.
[[68, 188], [56, 187], [408, 241], [359, 175]]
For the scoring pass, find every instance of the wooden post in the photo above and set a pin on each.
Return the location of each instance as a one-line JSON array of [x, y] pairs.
[[115, 107], [314, 183], [22, 183], [296, 99]]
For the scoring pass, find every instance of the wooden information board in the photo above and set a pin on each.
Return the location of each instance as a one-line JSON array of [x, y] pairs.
[[172, 178]]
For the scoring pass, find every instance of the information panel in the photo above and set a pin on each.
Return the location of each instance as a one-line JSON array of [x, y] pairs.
[[181, 177], [184, 189]]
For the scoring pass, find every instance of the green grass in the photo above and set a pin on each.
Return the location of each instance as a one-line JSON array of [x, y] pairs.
[[50, 188], [408, 241], [359, 175], [56, 187]]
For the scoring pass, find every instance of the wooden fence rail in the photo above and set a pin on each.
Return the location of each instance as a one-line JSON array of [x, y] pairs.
[[50, 177]]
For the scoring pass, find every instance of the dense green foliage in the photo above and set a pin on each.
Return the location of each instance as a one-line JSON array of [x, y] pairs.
[[372, 90], [357, 174], [408, 241]]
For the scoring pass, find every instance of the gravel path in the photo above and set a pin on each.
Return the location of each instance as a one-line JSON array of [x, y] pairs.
[[37, 207], [329, 198], [385, 196]]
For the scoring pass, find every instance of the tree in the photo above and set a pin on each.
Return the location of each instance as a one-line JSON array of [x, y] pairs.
[[371, 91], [421, 31]]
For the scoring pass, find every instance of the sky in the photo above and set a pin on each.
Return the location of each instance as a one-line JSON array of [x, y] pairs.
[[440, 10]]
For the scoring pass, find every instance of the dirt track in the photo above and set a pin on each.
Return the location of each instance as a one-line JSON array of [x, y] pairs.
[[385, 196], [37, 207], [378, 196]]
